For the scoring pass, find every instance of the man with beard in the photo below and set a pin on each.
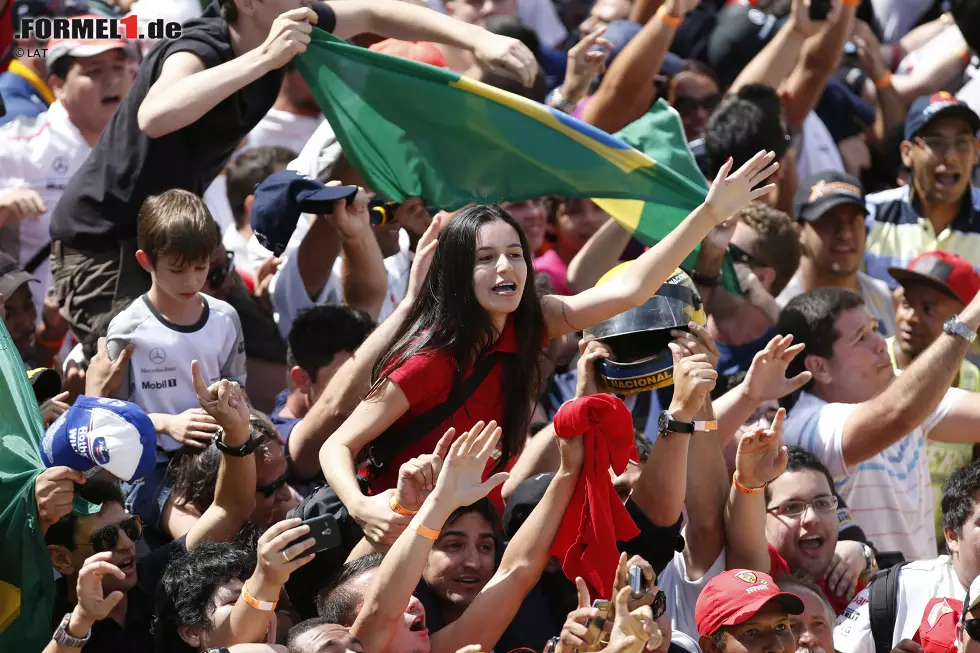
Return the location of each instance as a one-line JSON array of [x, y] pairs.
[[829, 209], [934, 287], [938, 209]]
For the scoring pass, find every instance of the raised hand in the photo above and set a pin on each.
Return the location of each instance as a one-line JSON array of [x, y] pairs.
[[761, 456], [730, 191], [224, 401], [92, 604], [281, 551], [697, 341], [766, 379], [104, 375], [584, 63], [417, 477], [193, 428], [575, 635], [694, 379], [800, 18], [288, 37], [623, 580], [638, 624], [461, 480], [505, 56], [351, 221], [54, 490], [425, 249], [588, 381]]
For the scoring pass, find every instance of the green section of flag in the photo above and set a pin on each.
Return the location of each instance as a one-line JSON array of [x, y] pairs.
[[26, 576]]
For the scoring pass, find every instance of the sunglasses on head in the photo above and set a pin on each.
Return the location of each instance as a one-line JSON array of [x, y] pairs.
[[685, 104], [107, 537], [972, 628], [217, 275], [271, 487]]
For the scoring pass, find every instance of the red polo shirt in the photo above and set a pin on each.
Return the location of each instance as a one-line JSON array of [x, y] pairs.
[[779, 566], [426, 380]]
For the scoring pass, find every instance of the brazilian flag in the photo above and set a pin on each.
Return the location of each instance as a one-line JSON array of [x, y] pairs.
[[412, 129], [26, 575]]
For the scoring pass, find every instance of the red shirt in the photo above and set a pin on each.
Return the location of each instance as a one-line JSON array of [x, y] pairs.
[[779, 566], [426, 380]]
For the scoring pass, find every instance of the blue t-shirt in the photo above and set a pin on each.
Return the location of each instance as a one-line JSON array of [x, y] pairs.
[[20, 98], [284, 425]]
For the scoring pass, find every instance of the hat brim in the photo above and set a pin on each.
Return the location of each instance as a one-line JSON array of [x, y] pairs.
[[788, 601], [321, 200], [906, 277], [10, 282], [814, 214], [952, 111]]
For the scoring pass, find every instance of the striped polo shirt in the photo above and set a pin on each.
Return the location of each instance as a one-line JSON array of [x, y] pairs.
[[897, 233]]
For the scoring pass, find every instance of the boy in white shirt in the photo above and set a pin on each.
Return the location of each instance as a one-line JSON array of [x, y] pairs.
[[174, 323]]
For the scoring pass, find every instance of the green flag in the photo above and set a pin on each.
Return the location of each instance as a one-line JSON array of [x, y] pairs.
[[412, 129], [26, 575]]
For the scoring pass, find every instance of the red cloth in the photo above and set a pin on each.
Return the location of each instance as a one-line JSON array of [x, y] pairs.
[[596, 518], [779, 567]]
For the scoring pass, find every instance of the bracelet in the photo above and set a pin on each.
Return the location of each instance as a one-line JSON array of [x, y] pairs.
[[399, 508], [706, 426], [50, 344], [265, 606], [669, 20], [426, 532], [746, 490], [705, 279], [885, 81], [851, 3], [964, 55]]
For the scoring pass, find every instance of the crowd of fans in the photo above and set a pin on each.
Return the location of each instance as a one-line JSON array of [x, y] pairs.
[[404, 437]]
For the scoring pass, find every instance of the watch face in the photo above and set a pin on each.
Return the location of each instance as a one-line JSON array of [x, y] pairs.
[[662, 422]]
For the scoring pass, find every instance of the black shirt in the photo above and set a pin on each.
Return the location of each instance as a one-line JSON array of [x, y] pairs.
[[101, 202], [137, 635]]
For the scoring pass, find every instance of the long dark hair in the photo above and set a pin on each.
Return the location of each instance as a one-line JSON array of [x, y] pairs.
[[447, 316]]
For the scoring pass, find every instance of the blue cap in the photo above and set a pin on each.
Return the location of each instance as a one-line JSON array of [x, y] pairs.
[[844, 113], [282, 197], [106, 433], [927, 108], [619, 33]]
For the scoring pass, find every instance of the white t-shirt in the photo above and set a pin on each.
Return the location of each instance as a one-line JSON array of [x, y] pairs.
[[682, 592], [159, 376], [41, 153], [818, 151], [235, 243], [539, 15], [918, 583], [889, 494], [896, 18]]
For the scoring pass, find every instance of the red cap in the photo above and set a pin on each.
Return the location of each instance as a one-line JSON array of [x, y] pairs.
[[734, 596], [937, 630], [421, 51], [947, 273]]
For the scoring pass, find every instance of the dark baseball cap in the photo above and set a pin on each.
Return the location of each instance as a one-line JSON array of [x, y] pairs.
[[12, 276], [844, 113], [45, 382], [740, 34], [948, 273], [525, 497], [927, 108], [820, 193], [282, 197]]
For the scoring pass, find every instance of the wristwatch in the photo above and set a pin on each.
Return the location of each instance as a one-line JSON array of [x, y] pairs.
[[869, 558], [558, 101], [667, 424], [239, 452], [955, 327], [62, 638]]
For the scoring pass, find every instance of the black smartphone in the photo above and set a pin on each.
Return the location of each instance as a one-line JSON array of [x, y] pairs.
[[325, 531], [819, 9], [638, 583]]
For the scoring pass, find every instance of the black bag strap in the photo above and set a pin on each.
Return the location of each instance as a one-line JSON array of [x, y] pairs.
[[38, 258], [389, 443], [882, 607]]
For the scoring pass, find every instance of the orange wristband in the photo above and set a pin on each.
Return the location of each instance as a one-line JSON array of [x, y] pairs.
[[851, 3], [668, 20], [885, 80], [964, 55], [746, 490], [265, 606], [399, 508], [50, 344], [424, 531]]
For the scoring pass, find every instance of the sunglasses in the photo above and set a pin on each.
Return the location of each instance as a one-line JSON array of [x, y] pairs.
[[217, 276], [739, 255], [972, 628], [272, 487], [107, 537], [685, 104]]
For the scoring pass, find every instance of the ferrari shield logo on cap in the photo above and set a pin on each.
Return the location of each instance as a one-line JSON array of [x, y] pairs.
[[747, 577]]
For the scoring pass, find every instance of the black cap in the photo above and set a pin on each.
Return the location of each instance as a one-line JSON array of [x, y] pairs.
[[740, 34], [820, 193], [12, 276], [45, 382], [927, 108], [527, 495]]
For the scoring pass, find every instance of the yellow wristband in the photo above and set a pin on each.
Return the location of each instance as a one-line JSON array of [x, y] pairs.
[[885, 80], [668, 20], [746, 490], [399, 508], [424, 531], [265, 606]]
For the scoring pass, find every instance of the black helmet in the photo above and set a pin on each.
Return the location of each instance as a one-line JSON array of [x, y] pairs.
[[638, 337]]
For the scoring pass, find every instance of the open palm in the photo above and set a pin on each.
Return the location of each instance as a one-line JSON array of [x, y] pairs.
[[461, 478], [761, 456], [730, 191], [766, 379]]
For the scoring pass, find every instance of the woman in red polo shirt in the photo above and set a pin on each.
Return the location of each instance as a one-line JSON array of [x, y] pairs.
[[474, 317]]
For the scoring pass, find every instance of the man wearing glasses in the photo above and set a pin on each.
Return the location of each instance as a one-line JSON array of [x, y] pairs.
[[940, 208], [830, 212]]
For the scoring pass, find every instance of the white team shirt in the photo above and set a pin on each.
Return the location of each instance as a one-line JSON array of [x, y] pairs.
[[918, 583], [41, 153], [889, 494], [682, 592], [159, 376]]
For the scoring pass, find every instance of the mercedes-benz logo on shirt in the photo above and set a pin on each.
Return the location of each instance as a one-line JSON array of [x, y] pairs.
[[60, 165], [157, 355]]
